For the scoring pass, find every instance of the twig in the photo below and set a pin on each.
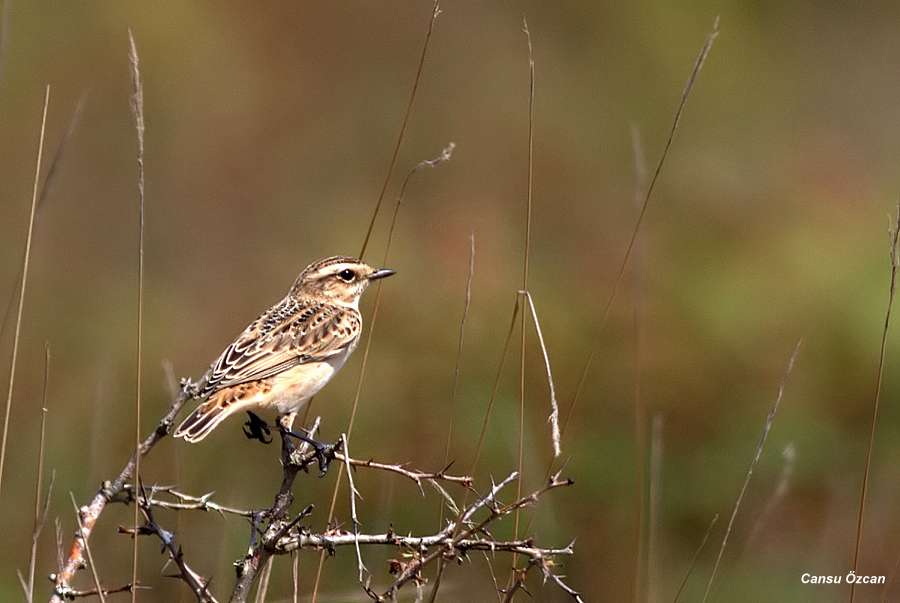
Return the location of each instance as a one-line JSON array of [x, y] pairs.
[[259, 553], [28, 239], [109, 491], [353, 495], [332, 541], [893, 235], [484, 500], [197, 584], [545, 569], [90, 559], [188, 502], [98, 592], [413, 474], [459, 536]]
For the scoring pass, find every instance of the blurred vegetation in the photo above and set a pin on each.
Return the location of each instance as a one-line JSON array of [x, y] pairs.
[[269, 132]]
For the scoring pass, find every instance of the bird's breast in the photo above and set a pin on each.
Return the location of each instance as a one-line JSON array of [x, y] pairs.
[[294, 387]]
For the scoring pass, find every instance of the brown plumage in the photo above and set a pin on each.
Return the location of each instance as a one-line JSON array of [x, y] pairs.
[[284, 357]]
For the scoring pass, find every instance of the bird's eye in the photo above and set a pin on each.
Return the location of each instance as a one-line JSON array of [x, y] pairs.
[[346, 274]]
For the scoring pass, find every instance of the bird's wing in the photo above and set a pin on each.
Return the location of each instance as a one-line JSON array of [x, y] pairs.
[[290, 333]]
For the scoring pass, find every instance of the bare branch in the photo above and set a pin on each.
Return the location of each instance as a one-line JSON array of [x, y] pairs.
[[198, 584], [330, 542], [88, 515], [460, 540], [354, 494], [90, 558], [186, 502]]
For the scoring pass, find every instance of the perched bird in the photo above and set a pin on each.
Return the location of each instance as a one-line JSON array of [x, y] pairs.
[[290, 352]]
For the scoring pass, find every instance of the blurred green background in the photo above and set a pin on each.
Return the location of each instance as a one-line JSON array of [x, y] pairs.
[[270, 128]]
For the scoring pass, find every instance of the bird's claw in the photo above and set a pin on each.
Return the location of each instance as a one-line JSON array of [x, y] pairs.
[[323, 452], [257, 429]]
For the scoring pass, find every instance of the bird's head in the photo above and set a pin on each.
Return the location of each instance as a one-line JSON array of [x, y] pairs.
[[339, 278]]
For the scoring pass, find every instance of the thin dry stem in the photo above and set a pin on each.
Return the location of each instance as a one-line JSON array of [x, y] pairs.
[[656, 447], [4, 39], [459, 347], [40, 514], [893, 235], [694, 559], [689, 86], [354, 494], [781, 489], [759, 449], [443, 157], [137, 111], [28, 239], [435, 11], [295, 574], [42, 196], [554, 407], [526, 253], [640, 416], [263, 589]]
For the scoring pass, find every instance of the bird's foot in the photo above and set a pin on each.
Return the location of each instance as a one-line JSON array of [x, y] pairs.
[[324, 453], [257, 429]]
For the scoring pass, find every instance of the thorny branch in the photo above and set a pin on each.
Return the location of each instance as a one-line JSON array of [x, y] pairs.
[[181, 502], [467, 539], [88, 514], [280, 530], [282, 534], [197, 584]]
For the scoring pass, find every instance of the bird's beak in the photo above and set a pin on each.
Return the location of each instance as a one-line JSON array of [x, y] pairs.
[[383, 272]]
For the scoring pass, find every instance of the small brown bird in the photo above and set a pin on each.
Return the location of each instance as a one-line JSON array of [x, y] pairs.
[[290, 352]]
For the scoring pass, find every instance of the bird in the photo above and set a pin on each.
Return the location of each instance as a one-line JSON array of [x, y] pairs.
[[284, 357]]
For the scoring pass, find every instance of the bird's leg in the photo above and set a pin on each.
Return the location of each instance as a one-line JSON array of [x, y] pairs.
[[323, 452], [257, 429]]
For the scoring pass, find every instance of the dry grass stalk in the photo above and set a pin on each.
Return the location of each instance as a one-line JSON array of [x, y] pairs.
[[435, 11], [137, 111], [759, 447], [40, 511], [689, 86], [893, 236], [25, 262]]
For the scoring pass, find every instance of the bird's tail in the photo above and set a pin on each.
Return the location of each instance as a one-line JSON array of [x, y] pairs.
[[208, 415]]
